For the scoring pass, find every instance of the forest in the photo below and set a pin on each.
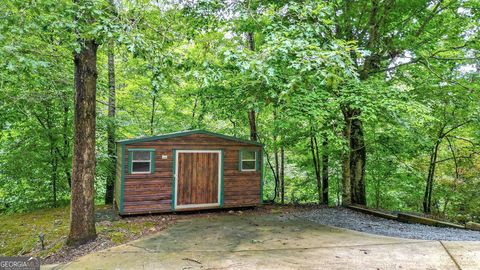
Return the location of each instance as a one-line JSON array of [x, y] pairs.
[[371, 102]]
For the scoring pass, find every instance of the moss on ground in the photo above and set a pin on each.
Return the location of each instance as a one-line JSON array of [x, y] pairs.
[[19, 233]]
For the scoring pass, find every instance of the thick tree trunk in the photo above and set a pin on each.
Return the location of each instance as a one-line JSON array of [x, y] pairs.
[[357, 161], [82, 216], [325, 172], [111, 127], [354, 160]]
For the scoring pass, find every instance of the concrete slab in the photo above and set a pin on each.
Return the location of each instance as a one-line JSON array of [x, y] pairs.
[[465, 254], [275, 242]]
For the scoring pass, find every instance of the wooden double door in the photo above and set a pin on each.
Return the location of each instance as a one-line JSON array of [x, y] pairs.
[[197, 178]]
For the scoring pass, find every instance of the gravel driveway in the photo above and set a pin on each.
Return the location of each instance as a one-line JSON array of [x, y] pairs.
[[349, 219]]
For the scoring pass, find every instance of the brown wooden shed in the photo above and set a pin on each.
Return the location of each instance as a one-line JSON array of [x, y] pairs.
[[188, 170]]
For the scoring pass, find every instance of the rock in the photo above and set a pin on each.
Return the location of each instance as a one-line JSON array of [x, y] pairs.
[[473, 226], [230, 212], [57, 222]]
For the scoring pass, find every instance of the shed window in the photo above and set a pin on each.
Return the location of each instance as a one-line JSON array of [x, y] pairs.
[[248, 160], [141, 161]]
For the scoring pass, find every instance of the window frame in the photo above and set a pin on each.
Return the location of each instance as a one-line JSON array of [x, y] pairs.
[[151, 160], [241, 160]]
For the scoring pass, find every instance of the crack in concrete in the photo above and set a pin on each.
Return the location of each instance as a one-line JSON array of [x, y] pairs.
[[275, 249], [451, 256]]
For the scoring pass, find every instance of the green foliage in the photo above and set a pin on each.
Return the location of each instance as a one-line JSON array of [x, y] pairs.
[[411, 69]]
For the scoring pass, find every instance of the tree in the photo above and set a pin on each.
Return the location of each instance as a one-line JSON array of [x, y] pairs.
[[82, 223], [111, 125]]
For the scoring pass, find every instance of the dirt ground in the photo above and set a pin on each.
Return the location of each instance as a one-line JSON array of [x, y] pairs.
[[278, 240]]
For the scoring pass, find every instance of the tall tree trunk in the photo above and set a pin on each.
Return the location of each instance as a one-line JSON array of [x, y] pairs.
[[427, 199], [277, 166], [282, 174], [82, 216], [357, 160], [53, 155], [253, 125], [152, 114], [251, 113], [316, 165], [66, 144], [54, 164], [275, 154], [354, 160], [111, 126], [325, 171], [346, 175]]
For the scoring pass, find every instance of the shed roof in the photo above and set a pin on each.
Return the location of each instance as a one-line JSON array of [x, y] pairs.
[[186, 133]]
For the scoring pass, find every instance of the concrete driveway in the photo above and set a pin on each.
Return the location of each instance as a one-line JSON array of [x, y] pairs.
[[277, 242]]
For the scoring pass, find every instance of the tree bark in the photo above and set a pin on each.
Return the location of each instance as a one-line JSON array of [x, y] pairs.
[[251, 113], [275, 154], [282, 174], [427, 199], [346, 175], [316, 165], [354, 159], [111, 126], [357, 160], [82, 216], [152, 114], [253, 125], [325, 167]]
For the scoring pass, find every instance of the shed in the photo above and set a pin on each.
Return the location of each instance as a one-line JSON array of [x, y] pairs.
[[188, 170]]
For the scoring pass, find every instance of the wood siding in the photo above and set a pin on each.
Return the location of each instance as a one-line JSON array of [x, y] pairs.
[[148, 193], [197, 180]]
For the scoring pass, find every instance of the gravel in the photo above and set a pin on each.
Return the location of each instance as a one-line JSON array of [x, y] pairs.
[[349, 219]]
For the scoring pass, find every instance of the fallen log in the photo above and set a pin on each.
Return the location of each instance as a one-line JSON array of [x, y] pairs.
[[372, 212], [408, 218]]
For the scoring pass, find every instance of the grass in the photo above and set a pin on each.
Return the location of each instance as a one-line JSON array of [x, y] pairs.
[[19, 233]]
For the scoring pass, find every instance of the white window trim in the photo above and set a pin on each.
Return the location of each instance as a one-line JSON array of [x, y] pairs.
[[142, 160], [254, 160]]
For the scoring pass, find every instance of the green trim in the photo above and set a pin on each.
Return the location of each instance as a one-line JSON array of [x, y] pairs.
[[186, 133], [122, 180], [240, 157], [152, 162], [174, 155], [130, 158], [221, 178], [130, 153]]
